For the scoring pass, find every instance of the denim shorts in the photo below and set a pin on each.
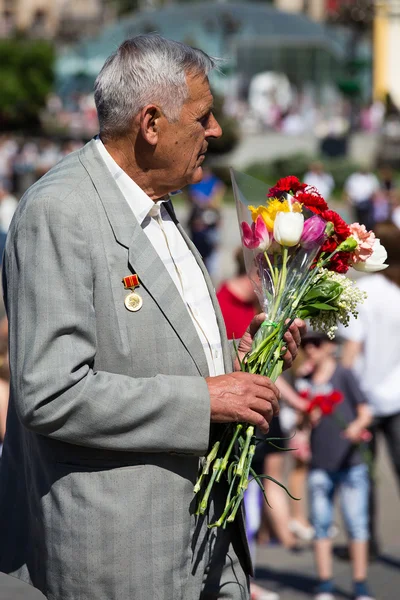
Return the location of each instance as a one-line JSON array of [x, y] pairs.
[[353, 485]]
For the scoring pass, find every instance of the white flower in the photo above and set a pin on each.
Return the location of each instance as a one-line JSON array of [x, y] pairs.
[[346, 304], [288, 228], [376, 261]]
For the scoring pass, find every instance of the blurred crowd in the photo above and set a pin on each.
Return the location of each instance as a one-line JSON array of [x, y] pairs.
[[273, 105]]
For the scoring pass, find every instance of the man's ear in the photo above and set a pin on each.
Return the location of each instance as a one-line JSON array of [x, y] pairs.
[[149, 123]]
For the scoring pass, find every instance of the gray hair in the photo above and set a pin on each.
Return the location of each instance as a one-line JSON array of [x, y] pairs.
[[145, 69]]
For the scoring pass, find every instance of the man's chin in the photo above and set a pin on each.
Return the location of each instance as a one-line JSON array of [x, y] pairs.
[[197, 175]]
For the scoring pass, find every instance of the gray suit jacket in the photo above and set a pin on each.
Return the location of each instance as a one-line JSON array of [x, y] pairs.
[[109, 410]]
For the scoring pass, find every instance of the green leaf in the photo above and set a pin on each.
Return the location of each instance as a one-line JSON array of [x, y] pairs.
[[323, 306], [280, 485]]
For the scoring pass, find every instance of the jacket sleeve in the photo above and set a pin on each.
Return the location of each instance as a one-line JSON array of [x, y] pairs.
[[48, 283]]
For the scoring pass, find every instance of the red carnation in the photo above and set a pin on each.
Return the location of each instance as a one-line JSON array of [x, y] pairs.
[[340, 262], [289, 185], [312, 199], [342, 230], [329, 245]]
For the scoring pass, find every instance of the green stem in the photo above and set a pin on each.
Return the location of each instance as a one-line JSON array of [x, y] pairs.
[[224, 462], [239, 499], [271, 268], [242, 460], [206, 468], [244, 481], [282, 282], [203, 504]]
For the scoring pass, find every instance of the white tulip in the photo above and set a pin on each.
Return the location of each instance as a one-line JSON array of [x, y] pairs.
[[376, 261], [288, 227]]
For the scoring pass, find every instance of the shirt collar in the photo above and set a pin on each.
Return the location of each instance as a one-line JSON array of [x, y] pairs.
[[139, 202]]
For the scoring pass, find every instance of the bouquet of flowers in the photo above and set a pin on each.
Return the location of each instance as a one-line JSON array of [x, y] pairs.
[[296, 252]]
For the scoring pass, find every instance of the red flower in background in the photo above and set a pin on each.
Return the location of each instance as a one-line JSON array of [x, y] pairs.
[[289, 185], [326, 402], [312, 199]]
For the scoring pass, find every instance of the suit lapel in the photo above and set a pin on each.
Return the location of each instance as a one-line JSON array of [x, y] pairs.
[[142, 257]]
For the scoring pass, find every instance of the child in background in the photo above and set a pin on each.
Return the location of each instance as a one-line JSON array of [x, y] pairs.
[[337, 464]]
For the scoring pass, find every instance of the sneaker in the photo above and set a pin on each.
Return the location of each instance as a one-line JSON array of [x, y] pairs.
[[363, 598], [324, 596], [259, 593], [303, 532]]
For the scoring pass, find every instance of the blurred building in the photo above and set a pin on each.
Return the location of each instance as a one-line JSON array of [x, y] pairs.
[[63, 19], [252, 38], [315, 9], [387, 50]]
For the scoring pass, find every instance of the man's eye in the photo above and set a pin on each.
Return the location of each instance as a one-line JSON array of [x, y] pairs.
[[205, 118]]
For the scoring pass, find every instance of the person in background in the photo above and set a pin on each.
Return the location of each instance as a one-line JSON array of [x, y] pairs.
[[294, 426], [8, 205], [360, 191], [337, 464], [204, 221], [384, 198], [372, 349], [320, 179], [238, 300]]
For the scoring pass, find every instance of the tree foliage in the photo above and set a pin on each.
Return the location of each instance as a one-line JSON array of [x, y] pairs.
[[26, 75]]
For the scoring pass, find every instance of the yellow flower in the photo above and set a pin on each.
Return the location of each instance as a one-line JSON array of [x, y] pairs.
[[269, 212]]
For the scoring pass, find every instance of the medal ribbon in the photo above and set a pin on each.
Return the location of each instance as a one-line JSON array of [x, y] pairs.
[[131, 281]]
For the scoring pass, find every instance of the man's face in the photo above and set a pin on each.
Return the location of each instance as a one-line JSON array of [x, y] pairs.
[[182, 145]]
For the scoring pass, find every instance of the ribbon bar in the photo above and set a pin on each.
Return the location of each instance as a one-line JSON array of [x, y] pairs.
[[131, 281]]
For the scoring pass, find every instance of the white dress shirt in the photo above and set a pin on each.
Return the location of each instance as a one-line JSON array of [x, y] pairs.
[[177, 258]]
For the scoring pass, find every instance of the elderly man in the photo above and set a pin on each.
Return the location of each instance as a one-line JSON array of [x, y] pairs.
[[119, 359]]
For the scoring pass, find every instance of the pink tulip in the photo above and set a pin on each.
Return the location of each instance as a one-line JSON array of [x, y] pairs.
[[255, 237], [313, 232]]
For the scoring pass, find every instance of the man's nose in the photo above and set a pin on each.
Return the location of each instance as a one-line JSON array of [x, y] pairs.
[[214, 129]]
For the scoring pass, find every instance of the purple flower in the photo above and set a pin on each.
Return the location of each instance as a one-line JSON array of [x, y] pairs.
[[255, 237], [313, 232]]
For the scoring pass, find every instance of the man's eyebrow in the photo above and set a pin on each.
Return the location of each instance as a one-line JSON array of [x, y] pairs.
[[208, 108]]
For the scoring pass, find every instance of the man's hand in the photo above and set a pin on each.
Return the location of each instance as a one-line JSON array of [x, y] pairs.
[[243, 397], [292, 340]]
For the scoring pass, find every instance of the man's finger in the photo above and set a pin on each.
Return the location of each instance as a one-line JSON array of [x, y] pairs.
[[294, 333], [256, 323], [301, 325], [266, 382]]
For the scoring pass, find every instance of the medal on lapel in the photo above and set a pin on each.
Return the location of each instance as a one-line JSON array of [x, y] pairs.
[[133, 302]]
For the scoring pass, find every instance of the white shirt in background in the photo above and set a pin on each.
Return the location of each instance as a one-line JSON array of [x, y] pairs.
[[361, 186], [396, 216], [322, 181], [177, 258], [377, 327], [8, 205]]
